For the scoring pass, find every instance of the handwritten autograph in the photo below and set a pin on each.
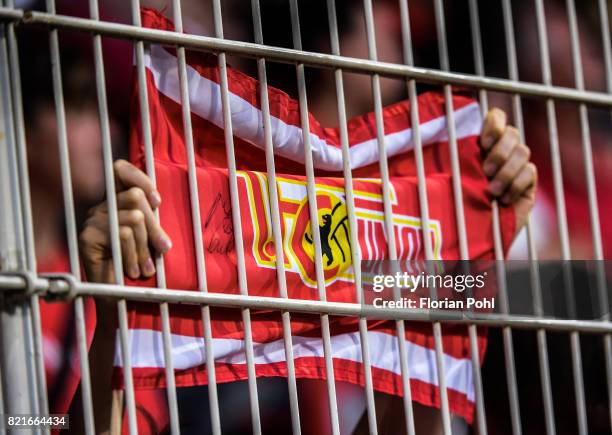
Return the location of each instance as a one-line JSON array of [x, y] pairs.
[[222, 241]]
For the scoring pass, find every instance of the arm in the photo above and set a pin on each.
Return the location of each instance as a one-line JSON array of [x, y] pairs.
[[141, 237]]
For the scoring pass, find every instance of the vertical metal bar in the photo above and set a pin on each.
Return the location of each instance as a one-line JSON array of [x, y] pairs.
[[506, 331], [419, 160], [159, 260], [591, 194], [33, 382], [500, 268], [314, 220], [63, 148], [605, 37], [3, 429], [586, 138], [124, 340], [117, 264], [532, 252], [70, 215], [109, 177], [353, 230], [478, 55], [275, 217], [472, 331], [512, 64], [603, 296], [454, 156], [17, 389], [170, 381], [197, 223], [457, 193], [24, 183], [233, 184], [561, 216], [554, 137], [26, 212]]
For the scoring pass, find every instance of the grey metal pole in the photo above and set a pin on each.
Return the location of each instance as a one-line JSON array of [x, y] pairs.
[[564, 238], [288, 55], [237, 222], [459, 208], [173, 296], [164, 309], [353, 229], [33, 344], [196, 220], [534, 272], [472, 331], [312, 208], [607, 52], [276, 221], [13, 313], [26, 214]]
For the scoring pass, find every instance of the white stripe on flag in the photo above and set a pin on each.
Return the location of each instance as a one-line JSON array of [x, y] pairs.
[[205, 99], [147, 352]]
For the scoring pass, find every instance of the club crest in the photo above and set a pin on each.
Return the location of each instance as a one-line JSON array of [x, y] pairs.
[[332, 226]]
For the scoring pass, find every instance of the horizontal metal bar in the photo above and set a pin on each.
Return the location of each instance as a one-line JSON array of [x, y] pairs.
[[308, 58], [11, 14], [189, 297]]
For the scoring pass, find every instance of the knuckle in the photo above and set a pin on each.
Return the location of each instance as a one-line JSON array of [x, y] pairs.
[[498, 129], [135, 195], [86, 235], [120, 165], [143, 251], [132, 257], [135, 217], [496, 111], [125, 233], [513, 133], [497, 115], [89, 223], [532, 168], [527, 171], [502, 179], [515, 188], [500, 155]]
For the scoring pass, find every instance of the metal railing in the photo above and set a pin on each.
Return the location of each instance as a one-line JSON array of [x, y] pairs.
[[22, 360]]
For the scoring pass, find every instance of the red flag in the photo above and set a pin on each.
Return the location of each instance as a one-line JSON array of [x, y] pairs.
[[227, 330]]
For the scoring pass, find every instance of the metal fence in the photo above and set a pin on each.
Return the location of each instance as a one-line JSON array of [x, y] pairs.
[[22, 375]]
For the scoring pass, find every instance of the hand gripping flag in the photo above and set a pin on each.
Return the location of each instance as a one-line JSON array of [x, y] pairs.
[[170, 156]]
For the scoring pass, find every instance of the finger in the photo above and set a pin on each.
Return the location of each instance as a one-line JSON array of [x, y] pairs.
[[493, 127], [135, 198], [128, 252], [522, 185], [511, 168], [93, 248], [93, 211], [127, 176], [501, 151], [135, 219], [93, 239]]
